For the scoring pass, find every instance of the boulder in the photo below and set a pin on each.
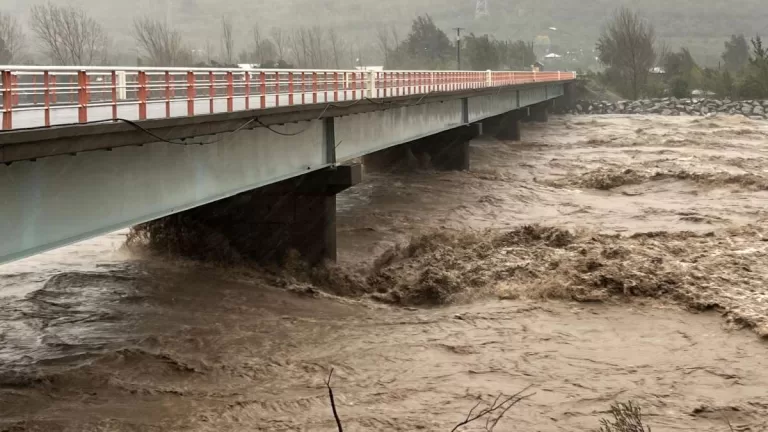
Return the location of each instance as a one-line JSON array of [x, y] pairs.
[[759, 110], [746, 109], [666, 112]]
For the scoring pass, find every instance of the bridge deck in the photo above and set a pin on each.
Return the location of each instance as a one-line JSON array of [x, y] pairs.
[[55, 188], [49, 96]]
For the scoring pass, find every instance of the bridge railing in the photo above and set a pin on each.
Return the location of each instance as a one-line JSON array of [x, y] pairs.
[[46, 96]]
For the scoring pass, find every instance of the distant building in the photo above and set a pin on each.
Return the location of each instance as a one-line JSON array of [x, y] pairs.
[[370, 68]]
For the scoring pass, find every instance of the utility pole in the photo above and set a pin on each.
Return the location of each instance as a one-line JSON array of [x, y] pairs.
[[458, 47]]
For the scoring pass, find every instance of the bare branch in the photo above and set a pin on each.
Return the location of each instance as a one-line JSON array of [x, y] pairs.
[[227, 41], [333, 402], [728, 422], [11, 39], [68, 35], [494, 411], [280, 40], [162, 45]]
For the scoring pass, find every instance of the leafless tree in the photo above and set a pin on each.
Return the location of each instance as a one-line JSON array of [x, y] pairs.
[[337, 47], [626, 46], [11, 39], [258, 44], [384, 43], [281, 41], [162, 45], [299, 47], [263, 49], [68, 35], [387, 41], [227, 41], [318, 50]]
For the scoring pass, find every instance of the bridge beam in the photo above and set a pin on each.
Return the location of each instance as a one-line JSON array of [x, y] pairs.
[[448, 150]]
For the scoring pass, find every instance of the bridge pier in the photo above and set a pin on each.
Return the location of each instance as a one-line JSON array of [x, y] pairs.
[[264, 224], [509, 126], [540, 112], [447, 151], [492, 125]]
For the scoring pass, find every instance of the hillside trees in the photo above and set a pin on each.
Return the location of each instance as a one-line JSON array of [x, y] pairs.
[[626, 48]]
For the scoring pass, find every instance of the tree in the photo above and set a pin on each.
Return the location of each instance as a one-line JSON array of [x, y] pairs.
[[338, 47], [483, 53], [387, 40], [227, 41], [162, 45], [518, 55], [755, 85], [626, 47], [425, 47], [736, 54], [262, 51], [280, 40], [11, 39], [68, 35]]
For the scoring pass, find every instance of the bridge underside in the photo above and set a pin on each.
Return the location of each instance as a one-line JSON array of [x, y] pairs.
[[78, 192]]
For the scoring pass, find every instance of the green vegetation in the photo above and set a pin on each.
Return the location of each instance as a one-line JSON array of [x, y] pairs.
[[626, 48], [637, 67], [484, 53], [700, 25]]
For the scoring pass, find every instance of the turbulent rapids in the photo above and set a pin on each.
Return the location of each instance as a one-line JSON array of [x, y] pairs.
[[602, 259]]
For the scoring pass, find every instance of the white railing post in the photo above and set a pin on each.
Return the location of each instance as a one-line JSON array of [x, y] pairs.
[[371, 84], [122, 92], [489, 78]]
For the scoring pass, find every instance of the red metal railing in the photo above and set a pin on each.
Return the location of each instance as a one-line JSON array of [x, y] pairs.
[[46, 96]]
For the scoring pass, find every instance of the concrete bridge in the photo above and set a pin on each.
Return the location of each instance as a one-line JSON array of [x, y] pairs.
[[86, 151]]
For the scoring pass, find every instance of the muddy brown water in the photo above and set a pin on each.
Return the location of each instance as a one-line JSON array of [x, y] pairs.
[[95, 338]]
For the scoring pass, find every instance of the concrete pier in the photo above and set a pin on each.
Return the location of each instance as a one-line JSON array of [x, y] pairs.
[[261, 225], [540, 112], [509, 126]]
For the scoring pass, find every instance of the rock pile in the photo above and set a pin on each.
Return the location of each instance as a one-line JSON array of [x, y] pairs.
[[671, 106]]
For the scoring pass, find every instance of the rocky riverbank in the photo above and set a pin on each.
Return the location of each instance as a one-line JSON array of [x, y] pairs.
[[671, 106]]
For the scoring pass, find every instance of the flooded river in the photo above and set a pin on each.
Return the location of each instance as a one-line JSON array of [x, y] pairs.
[[602, 259]]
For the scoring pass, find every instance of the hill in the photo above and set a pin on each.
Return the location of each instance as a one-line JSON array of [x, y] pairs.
[[701, 25]]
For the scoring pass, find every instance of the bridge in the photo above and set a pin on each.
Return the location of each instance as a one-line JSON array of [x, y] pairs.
[[86, 151]]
